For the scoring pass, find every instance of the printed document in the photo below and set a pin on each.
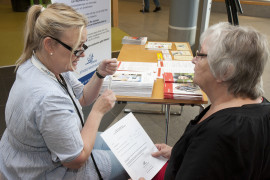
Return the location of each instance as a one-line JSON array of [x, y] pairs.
[[137, 66], [133, 147], [177, 66]]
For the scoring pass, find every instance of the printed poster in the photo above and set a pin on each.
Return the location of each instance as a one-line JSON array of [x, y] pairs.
[[98, 13]]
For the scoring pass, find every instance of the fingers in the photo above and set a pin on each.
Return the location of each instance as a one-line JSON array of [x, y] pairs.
[[158, 146], [108, 66], [109, 95], [105, 102], [161, 146], [163, 150], [157, 154]]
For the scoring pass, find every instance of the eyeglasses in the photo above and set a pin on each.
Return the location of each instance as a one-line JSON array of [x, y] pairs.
[[198, 54], [77, 53]]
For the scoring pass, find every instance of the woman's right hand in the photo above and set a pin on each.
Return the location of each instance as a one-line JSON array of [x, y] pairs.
[[105, 102], [163, 150]]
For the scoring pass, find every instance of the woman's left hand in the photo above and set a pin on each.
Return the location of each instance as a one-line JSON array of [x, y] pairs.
[[107, 67]]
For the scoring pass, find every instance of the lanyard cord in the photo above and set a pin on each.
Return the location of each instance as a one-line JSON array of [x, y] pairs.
[[64, 85], [42, 68]]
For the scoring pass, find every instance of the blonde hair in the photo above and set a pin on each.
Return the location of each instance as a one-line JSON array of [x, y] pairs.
[[51, 21]]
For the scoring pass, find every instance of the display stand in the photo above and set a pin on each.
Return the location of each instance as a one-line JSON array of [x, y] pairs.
[[233, 6], [143, 6]]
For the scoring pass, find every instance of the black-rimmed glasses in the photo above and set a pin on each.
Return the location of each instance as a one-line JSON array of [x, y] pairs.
[[198, 54], [77, 53]]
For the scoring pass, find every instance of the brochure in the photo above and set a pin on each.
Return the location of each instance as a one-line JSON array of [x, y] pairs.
[[134, 40]]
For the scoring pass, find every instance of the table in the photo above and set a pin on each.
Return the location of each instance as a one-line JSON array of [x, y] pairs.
[[138, 53]]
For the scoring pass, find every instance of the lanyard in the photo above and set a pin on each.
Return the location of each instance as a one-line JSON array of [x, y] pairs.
[[44, 69]]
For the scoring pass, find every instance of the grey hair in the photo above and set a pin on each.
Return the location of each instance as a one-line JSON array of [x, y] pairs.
[[51, 21], [237, 56]]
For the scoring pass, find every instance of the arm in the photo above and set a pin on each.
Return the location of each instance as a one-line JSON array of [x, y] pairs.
[[92, 88], [102, 105]]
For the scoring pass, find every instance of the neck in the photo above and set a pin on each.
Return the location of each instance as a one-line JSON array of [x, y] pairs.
[[220, 99], [43, 58]]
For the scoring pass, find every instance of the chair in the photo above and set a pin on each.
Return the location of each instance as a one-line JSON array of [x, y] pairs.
[[7, 78]]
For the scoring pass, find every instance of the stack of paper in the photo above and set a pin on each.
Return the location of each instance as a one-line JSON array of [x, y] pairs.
[[188, 91], [178, 77], [130, 83], [166, 55], [137, 66], [134, 40], [158, 46], [182, 55], [177, 66], [182, 46], [170, 77]]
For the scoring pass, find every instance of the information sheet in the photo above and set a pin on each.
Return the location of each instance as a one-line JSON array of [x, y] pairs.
[[137, 66], [177, 66], [133, 147]]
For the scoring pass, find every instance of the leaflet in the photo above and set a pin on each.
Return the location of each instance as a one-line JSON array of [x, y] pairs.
[[133, 147], [177, 66], [137, 66]]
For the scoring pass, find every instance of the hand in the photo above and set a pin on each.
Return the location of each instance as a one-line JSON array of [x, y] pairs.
[[163, 150], [105, 102], [107, 67]]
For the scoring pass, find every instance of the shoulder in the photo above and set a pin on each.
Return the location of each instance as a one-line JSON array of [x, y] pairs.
[[243, 114], [35, 84], [231, 121], [237, 123]]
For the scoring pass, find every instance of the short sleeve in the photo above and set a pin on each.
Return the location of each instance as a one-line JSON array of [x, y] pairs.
[[58, 124], [76, 85]]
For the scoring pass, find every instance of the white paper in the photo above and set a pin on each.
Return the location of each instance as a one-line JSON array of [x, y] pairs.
[[181, 53], [137, 66], [177, 66], [133, 147], [167, 57], [158, 46]]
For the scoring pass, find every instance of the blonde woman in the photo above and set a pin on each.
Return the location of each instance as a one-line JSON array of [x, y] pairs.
[[47, 136]]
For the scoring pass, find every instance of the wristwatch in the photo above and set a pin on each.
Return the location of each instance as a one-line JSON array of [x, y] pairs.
[[99, 75]]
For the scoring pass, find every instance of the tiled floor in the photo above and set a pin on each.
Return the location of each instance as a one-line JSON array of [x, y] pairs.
[[155, 27]]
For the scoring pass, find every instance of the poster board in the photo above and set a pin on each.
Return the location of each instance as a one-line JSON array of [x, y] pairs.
[[98, 13]]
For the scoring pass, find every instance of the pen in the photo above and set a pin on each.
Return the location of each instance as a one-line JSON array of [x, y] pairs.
[[110, 82]]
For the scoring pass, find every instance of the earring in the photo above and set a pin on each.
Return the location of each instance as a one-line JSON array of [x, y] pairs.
[[51, 53]]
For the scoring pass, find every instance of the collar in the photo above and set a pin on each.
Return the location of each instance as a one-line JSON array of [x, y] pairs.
[[36, 62]]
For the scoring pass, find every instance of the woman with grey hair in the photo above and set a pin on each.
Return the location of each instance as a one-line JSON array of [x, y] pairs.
[[230, 139], [47, 136]]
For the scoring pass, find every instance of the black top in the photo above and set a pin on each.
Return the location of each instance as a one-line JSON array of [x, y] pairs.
[[233, 143]]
